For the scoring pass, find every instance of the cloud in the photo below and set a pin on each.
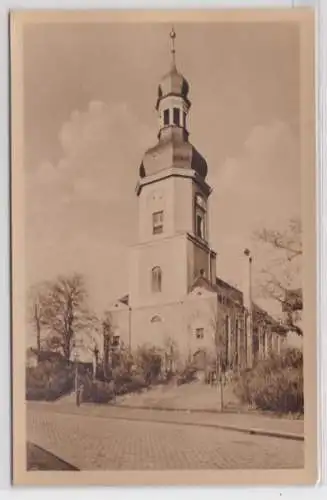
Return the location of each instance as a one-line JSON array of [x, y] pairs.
[[83, 203], [259, 188], [81, 214]]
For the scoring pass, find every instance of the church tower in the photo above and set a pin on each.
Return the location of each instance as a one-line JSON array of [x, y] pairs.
[[173, 228]]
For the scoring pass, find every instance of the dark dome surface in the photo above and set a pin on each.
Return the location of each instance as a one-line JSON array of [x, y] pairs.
[[173, 83], [173, 150]]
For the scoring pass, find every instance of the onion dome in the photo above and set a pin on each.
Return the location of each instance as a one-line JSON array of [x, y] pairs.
[[173, 151], [173, 82]]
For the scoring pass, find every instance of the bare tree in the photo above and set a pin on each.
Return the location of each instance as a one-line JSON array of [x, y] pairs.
[[283, 269], [35, 312], [65, 312]]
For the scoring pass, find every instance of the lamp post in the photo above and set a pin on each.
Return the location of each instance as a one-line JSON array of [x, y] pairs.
[[95, 352], [249, 306], [130, 329], [77, 389]]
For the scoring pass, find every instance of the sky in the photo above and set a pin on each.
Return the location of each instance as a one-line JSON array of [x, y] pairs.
[[89, 116]]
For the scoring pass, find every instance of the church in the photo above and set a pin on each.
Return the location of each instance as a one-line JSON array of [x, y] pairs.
[[175, 297]]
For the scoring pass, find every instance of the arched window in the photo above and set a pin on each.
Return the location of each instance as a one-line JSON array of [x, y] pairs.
[[156, 279], [156, 319]]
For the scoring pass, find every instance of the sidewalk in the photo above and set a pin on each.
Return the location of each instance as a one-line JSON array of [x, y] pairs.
[[242, 422]]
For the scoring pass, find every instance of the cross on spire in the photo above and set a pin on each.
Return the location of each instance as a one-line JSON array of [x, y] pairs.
[[173, 51]]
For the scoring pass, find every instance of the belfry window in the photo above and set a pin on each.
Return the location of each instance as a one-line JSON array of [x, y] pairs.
[[200, 217], [157, 222], [166, 117], [199, 226], [176, 116], [156, 279]]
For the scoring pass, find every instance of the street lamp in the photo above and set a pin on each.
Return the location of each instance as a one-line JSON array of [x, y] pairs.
[[129, 329], [249, 306], [77, 390]]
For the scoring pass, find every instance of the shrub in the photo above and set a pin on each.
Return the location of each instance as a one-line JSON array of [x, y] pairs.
[[148, 361], [49, 380], [126, 382], [96, 391], [187, 375], [275, 384]]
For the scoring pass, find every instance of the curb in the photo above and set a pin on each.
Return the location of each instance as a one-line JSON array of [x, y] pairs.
[[251, 431], [235, 428]]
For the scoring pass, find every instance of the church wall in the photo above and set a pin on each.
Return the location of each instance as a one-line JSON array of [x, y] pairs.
[[213, 270], [197, 259], [183, 216], [154, 198], [158, 325], [178, 322], [232, 332], [200, 314], [173, 196], [170, 255]]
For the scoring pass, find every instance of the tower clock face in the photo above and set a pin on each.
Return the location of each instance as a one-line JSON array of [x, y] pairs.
[[156, 195]]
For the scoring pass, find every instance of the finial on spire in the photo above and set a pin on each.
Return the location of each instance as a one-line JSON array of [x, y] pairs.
[[173, 36]]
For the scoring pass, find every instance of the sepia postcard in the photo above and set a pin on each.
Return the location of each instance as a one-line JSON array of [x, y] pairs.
[[163, 247]]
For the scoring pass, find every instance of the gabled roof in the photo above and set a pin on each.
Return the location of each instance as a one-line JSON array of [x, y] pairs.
[[124, 300], [233, 292], [261, 314], [203, 282]]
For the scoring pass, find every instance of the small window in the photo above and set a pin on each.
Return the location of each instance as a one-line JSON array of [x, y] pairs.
[[199, 333], [156, 277], [157, 222], [176, 117], [166, 117]]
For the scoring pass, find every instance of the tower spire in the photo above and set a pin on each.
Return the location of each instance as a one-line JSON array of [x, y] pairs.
[[173, 51]]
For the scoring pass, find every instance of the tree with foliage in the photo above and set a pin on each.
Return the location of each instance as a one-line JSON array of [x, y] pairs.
[[279, 277], [65, 312]]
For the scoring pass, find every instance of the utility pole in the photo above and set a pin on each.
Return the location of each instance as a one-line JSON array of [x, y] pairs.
[[249, 306], [38, 328], [130, 329], [77, 388]]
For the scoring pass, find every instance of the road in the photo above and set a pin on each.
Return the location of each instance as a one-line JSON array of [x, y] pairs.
[[96, 443]]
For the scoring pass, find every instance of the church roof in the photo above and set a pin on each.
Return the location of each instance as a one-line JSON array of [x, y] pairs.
[[203, 282], [173, 150], [124, 300], [235, 293]]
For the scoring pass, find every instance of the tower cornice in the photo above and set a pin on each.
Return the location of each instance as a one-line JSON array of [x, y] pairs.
[[174, 172]]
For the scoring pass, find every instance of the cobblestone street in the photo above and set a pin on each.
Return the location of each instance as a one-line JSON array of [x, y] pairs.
[[97, 443]]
